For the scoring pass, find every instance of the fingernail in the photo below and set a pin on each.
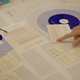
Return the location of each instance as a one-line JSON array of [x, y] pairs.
[[74, 44]]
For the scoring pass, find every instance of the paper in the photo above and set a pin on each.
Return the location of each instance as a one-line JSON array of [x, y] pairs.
[[15, 56], [4, 77], [38, 63], [2, 70], [65, 58], [1, 42], [57, 31], [31, 45], [22, 35], [76, 52], [7, 62], [11, 76], [55, 50]]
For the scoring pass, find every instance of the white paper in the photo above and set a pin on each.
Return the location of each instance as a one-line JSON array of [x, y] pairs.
[[58, 30]]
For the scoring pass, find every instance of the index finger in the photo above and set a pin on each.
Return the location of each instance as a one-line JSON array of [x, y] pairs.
[[66, 36]]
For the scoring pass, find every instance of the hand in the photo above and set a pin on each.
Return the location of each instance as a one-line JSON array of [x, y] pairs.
[[0, 3], [75, 33]]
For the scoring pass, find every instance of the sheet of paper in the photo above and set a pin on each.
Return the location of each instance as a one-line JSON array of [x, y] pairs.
[[57, 31], [11, 76], [7, 62], [76, 52], [2, 70], [22, 35], [65, 58], [15, 56], [55, 50], [1, 42]]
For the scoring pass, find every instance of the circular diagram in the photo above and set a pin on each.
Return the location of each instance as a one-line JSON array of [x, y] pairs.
[[56, 18], [53, 14], [64, 19]]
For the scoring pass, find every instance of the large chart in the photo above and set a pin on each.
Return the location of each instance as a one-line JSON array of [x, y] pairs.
[[26, 54]]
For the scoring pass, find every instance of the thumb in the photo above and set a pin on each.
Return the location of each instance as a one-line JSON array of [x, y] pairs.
[[76, 42]]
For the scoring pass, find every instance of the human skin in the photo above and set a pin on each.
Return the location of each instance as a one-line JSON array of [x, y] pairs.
[[75, 33], [0, 3]]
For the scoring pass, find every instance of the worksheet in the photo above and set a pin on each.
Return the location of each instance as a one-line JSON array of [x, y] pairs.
[[31, 56]]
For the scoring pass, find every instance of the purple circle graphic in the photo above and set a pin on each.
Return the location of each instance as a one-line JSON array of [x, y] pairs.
[[73, 21], [54, 17]]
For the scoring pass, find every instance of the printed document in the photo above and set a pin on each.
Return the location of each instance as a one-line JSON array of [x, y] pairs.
[[58, 30]]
